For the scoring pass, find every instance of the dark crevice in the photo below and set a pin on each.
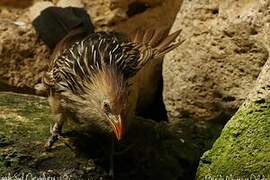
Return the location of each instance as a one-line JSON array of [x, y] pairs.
[[229, 98], [215, 11], [156, 109]]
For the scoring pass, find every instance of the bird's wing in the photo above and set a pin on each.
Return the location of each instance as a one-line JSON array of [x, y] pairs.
[[133, 53], [54, 78], [74, 66]]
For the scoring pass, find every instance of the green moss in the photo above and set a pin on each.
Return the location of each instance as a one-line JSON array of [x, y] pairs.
[[24, 124], [243, 149]]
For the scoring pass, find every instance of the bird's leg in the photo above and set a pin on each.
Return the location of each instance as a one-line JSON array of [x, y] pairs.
[[111, 170], [55, 131]]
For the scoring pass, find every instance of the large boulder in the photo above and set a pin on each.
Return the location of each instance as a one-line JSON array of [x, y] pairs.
[[211, 73], [243, 149]]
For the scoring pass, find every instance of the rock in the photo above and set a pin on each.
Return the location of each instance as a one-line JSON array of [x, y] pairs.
[[16, 4], [125, 3], [34, 11], [23, 58], [70, 3], [116, 15], [243, 150], [209, 76]]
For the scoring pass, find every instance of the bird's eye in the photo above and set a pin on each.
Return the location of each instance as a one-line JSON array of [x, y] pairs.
[[106, 107]]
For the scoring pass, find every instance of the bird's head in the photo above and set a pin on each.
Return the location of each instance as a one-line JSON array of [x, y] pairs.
[[108, 96]]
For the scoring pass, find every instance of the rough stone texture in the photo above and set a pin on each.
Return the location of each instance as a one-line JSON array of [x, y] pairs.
[[72, 3], [210, 75], [34, 11], [127, 16], [15, 3], [22, 57], [243, 150]]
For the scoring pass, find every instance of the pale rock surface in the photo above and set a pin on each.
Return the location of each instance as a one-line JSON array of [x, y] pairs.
[[210, 75], [70, 3], [34, 11]]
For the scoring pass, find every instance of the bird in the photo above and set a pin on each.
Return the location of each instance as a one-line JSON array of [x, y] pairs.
[[96, 78], [93, 76]]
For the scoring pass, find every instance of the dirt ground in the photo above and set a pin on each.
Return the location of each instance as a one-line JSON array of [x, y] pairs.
[[151, 151]]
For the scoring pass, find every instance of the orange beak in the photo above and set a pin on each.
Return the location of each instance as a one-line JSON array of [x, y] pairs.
[[117, 126]]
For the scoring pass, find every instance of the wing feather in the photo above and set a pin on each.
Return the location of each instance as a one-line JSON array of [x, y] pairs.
[[75, 66]]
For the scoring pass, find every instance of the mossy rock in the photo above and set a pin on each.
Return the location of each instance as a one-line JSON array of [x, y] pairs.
[[243, 149]]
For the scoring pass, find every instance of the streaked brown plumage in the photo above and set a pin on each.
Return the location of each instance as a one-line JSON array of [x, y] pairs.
[[93, 74]]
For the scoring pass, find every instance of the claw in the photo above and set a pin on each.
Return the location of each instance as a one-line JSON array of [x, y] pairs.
[[50, 142], [63, 140], [55, 135]]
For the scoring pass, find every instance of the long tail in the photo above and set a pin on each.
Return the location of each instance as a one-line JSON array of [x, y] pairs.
[[153, 44], [158, 41]]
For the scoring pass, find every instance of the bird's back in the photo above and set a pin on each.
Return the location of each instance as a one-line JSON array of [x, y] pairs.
[[75, 66]]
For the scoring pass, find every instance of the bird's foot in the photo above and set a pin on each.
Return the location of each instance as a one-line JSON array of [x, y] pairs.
[[50, 142], [53, 138], [55, 135]]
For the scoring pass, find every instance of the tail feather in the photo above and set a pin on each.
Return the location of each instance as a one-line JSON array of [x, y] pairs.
[[138, 37], [158, 36], [165, 44], [148, 35], [154, 43]]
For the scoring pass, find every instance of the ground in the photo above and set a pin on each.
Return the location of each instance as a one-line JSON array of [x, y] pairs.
[[151, 151], [25, 122]]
